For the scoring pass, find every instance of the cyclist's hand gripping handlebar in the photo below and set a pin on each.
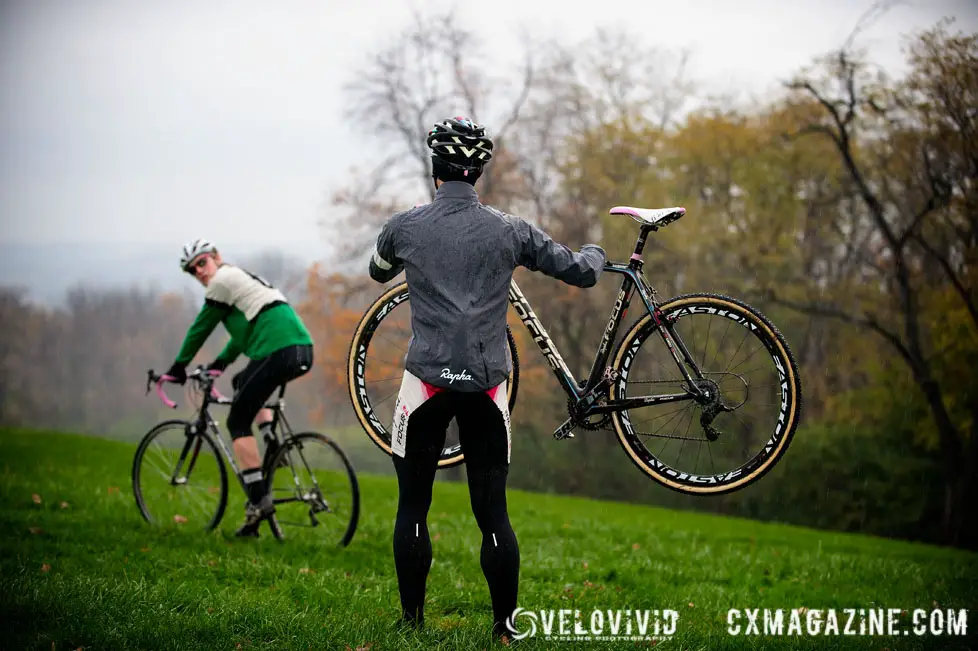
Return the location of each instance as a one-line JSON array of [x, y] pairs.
[[158, 380], [200, 375], [215, 394]]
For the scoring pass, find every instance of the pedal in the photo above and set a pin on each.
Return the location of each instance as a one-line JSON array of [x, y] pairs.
[[565, 430]]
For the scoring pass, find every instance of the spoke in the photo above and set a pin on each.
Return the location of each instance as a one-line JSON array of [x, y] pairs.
[[386, 398], [746, 358], [763, 386], [746, 446], [734, 355], [713, 465], [389, 340], [675, 414], [670, 413], [157, 468], [162, 456], [723, 339], [752, 369], [193, 496], [665, 443], [706, 346], [683, 444], [389, 379], [670, 436]]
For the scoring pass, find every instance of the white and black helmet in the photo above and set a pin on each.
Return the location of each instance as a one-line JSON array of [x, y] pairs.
[[461, 143], [192, 249]]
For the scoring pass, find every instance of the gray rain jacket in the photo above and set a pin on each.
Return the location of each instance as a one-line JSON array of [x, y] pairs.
[[458, 256]]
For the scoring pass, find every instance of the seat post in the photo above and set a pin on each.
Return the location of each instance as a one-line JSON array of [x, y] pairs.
[[277, 409], [640, 243]]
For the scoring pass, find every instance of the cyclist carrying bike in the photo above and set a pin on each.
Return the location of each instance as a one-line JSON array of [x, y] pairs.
[[265, 328], [459, 256]]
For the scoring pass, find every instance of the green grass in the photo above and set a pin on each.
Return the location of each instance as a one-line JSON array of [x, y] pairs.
[[94, 575]]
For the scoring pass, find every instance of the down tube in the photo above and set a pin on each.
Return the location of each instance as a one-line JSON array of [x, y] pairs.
[[542, 339]]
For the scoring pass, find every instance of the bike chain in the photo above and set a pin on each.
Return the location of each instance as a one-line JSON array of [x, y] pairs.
[[602, 423]]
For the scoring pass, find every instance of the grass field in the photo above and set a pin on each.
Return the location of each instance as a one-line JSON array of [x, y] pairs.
[[80, 569]]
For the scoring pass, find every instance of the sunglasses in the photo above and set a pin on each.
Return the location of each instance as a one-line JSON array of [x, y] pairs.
[[196, 266]]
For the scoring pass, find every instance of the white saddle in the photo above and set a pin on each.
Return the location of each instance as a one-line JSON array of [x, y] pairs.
[[657, 217]]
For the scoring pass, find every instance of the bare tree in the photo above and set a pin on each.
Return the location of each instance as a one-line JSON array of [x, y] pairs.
[[609, 77], [911, 158], [423, 75]]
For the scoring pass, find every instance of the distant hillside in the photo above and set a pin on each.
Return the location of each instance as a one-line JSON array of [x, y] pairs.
[[46, 271]]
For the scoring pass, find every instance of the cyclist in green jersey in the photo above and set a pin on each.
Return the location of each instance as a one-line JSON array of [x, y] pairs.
[[263, 327]]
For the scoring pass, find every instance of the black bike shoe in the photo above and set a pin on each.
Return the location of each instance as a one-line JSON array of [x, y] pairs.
[[254, 515]]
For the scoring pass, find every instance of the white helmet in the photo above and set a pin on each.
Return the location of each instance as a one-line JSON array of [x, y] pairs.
[[192, 249]]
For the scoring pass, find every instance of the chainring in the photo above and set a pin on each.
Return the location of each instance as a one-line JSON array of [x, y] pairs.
[[588, 423]]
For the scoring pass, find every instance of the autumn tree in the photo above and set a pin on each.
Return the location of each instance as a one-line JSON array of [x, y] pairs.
[[910, 156], [83, 366]]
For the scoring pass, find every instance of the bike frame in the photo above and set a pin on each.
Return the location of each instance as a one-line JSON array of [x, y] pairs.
[[211, 396], [633, 280]]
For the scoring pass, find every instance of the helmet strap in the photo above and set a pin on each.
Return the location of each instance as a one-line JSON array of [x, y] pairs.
[[446, 171]]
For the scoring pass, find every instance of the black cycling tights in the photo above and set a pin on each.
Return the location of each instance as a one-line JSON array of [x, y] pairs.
[[485, 445], [255, 384]]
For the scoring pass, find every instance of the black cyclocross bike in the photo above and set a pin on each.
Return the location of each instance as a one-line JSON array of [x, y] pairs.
[[180, 480], [702, 390]]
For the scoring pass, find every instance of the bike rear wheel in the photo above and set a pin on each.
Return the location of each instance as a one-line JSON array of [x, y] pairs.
[[179, 478], [314, 488], [375, 369], [754, 421]]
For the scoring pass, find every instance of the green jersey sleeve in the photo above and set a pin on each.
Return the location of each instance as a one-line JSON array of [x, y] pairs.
[[230, 352], [207, 319]]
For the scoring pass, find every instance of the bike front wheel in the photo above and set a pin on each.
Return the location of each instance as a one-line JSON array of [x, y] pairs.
[[375, 369], [179, 478], [314, 488], [733, 437]]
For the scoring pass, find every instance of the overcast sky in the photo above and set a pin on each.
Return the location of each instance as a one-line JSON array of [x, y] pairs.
[[138, 122]]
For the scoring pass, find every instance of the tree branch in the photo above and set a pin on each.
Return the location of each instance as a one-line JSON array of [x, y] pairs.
[[810, 129], [830, 311], [843, 145], [870, 16], [514, 114], [953, 277]]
